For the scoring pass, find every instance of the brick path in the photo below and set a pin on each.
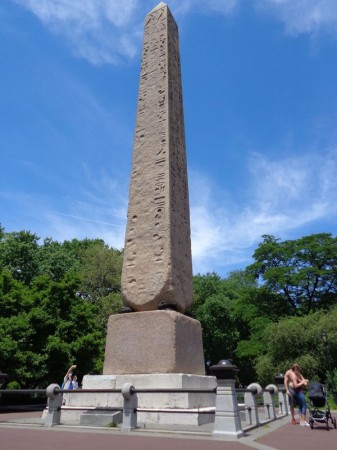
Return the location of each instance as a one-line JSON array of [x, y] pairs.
[[295, 437], [23, 431]]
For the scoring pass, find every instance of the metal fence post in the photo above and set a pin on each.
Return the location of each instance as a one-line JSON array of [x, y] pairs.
[[269, 401], [251, 403], [54, 406], [129, 407]]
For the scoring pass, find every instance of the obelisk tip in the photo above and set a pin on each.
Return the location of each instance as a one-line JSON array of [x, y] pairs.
[[160, 5]]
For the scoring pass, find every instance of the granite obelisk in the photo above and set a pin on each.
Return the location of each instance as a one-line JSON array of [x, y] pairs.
[[154, 335], [154, 345], [157, 266]]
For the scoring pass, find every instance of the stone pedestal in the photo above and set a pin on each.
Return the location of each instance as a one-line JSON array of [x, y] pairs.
[[227, 424], [153, 342], [153, 408]]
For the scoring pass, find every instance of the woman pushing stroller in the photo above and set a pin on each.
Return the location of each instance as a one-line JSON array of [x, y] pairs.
[[294, 383]]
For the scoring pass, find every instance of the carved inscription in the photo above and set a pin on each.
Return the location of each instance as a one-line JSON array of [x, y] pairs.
[[157, 263]]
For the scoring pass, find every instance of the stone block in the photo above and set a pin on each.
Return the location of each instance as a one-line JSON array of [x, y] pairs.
[[153, 342]]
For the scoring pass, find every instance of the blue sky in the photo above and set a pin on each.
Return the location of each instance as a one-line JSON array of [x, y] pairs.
[[260, 91]]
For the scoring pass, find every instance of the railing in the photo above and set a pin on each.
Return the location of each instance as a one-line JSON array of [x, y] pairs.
[[227, 411], [272, 399]]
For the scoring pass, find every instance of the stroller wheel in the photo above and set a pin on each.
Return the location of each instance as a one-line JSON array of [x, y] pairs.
[[311, 423], [327, 424], [334, 422]]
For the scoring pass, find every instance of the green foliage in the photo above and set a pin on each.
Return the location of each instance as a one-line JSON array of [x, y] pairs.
[[298, 339], [303, 271], [205, 286], [49, 326], [101, 269], [13, 385], [107, 306], [112, 425], [56, 259], [19, 254], [219, 332], [226, 311], [55, 300]]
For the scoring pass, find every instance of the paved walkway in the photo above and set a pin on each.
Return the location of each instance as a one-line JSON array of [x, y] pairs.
[[24, 431]]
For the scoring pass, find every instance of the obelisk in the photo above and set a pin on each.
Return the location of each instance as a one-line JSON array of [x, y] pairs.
[[153, 344], [157, 267], [154, 335]]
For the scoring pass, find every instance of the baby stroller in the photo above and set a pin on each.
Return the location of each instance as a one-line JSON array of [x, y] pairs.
[[318, 400]]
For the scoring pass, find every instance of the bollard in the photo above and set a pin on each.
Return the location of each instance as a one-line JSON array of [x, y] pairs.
[[129, 407], [251, 403], [282, 395], [283, 403], [227, 423], [269, 401], [54, 406]]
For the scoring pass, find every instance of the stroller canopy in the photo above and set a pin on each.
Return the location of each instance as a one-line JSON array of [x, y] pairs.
[[317, 394], [316, 390]]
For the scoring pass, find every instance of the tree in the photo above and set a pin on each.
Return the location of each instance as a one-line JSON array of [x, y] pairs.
[[44, 321], [46, 326], [228, 312], [298, 339], [220, 336], [56, 259], [303, 271], [19, 254], [205, 286], [101, 268]]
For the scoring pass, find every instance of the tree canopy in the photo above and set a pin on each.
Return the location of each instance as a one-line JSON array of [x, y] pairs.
[[304, 271], [55, 301], [56, 298]]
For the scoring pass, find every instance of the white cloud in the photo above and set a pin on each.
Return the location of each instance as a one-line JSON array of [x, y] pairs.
[[303, 16], [286, 195], [224, 7], [82, 13], [97, 209], [101, 31], [109, 31], [67, 227]]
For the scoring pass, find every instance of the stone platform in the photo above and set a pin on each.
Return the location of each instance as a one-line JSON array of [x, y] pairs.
[[153, 408]]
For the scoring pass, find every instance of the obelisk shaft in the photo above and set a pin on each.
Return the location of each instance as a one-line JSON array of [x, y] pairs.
[[157, 264]]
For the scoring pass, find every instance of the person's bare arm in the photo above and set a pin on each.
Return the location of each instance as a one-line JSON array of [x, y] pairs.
[[286, 382], [302, 382], [70, 370]]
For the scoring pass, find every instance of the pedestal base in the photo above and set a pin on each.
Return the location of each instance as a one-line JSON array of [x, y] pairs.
[[153, 408], [153, 342]]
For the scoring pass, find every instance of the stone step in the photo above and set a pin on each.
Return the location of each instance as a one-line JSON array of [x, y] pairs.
[[101, 418]]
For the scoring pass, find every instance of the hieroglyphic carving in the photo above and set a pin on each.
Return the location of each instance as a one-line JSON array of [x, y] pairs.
[[157, 264]]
